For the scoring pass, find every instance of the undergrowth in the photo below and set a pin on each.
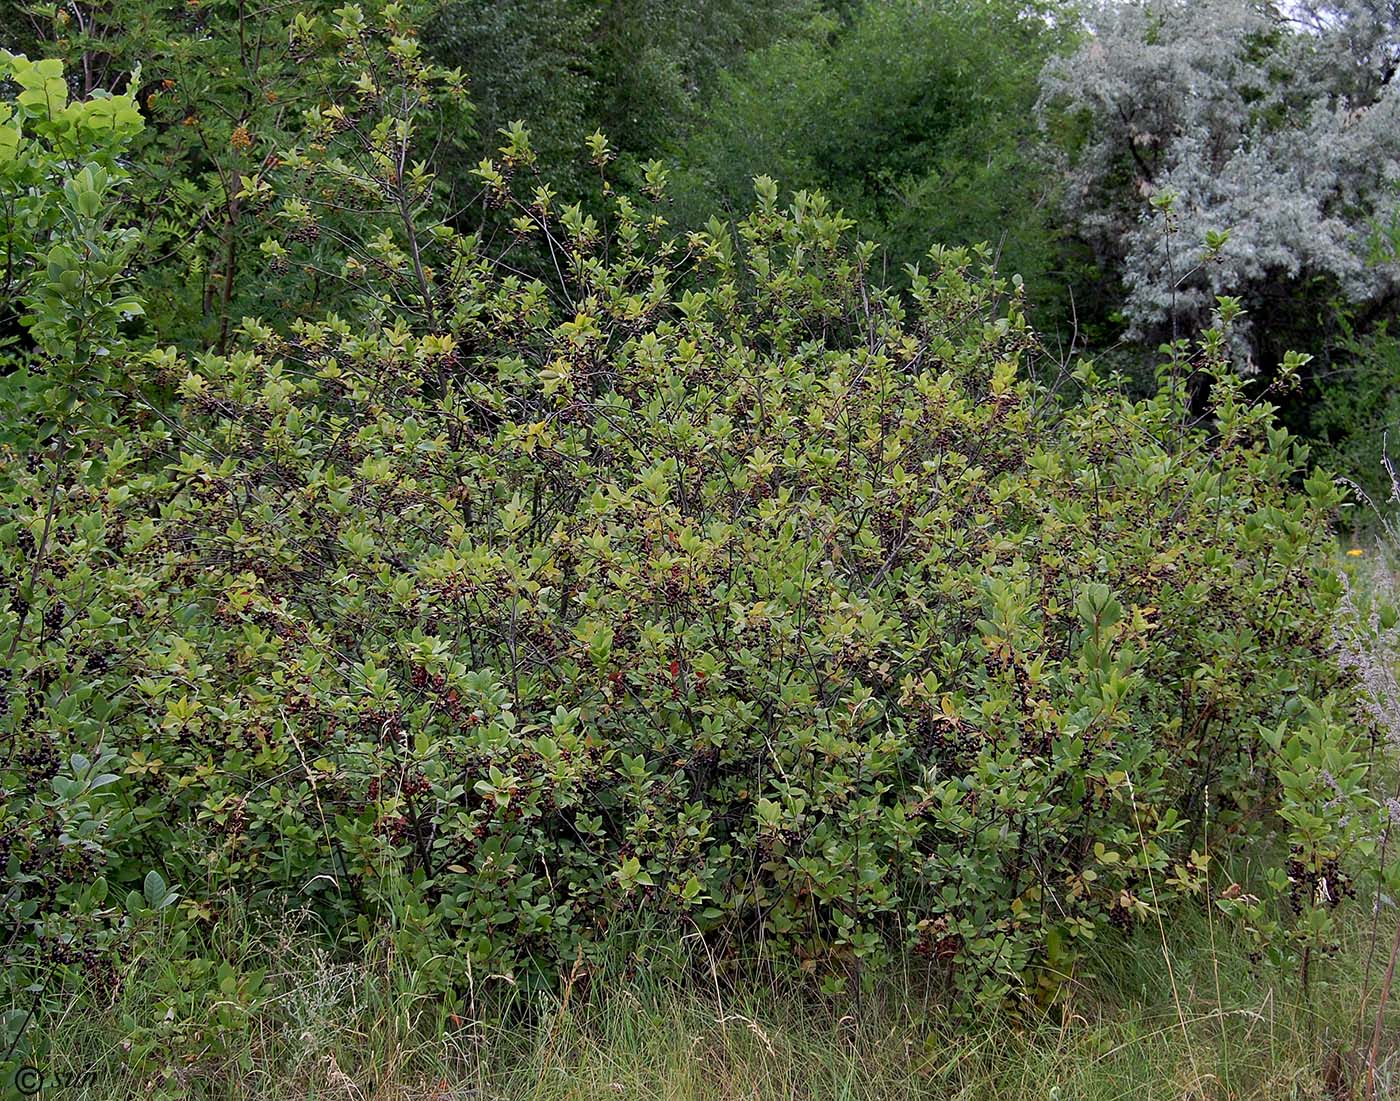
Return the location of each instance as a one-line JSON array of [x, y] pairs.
[[1178, 1011]]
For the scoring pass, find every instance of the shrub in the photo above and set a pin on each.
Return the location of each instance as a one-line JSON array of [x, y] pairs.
[[710, 588], [64, 285]]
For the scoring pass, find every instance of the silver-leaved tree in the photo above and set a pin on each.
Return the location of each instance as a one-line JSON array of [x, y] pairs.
[[1179, 120]]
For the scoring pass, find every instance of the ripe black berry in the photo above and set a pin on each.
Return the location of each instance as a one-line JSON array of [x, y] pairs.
[[53, 617]]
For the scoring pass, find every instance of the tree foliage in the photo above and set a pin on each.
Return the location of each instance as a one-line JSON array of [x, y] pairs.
[[638, 71], [915, 118], [1278, 125], [62, 179]]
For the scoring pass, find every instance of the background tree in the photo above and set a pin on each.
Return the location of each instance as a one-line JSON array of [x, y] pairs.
[[916, 118], [1278, 123], [640, 70]]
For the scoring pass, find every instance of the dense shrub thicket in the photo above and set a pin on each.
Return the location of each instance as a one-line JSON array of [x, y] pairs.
[[707, 588]]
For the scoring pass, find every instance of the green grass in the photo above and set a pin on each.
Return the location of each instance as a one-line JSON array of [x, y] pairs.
[[1213, 1026]]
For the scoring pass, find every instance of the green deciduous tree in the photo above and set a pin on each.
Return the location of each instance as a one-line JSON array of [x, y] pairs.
[[641, 71], [916, 119]]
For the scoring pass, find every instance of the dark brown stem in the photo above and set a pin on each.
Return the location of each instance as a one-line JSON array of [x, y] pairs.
[[230, 268], [1380, 1015]]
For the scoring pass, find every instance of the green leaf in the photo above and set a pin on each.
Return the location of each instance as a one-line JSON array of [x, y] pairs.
[[154, 888]]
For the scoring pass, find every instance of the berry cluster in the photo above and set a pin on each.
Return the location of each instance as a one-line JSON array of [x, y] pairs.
[[39, 758], [936, 941], [1121, 917], [1316, 882]]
